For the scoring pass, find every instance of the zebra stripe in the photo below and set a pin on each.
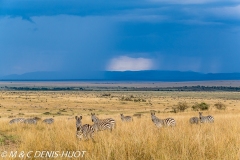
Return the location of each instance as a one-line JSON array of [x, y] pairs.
[[194, 120], [17, 120], [126, 118], [102, 124], [84, 131], [30, 121], [48, 121], [206, 119], [162, 122]]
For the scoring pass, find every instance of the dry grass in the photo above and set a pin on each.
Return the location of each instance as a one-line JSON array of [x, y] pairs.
[[139, 139]]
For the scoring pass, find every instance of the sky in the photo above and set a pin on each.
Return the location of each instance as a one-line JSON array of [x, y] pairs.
[[119, 35]]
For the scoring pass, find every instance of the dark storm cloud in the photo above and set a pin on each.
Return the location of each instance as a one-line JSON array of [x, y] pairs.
[[200, 35]]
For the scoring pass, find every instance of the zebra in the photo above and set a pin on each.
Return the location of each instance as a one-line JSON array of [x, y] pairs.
[[102, 124], [30, 121], [17, 120], [206, 119], [83, 131], [162, 122], [126, 118], [48, 121], [194, 120]]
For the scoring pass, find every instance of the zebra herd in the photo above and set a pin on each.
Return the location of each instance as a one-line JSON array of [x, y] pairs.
[[171, 122], [87, 131], [201, 119], [31, 120]]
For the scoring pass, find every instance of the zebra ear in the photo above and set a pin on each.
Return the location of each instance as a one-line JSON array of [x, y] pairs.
[[76, 117], [80, 117]]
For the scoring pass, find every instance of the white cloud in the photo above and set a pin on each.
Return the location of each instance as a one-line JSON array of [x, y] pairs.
[[124, 63]]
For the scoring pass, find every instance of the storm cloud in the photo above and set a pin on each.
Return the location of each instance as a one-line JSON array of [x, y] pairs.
[[83, 36]]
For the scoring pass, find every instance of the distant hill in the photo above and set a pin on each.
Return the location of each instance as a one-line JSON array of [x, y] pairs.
[[152, 75]]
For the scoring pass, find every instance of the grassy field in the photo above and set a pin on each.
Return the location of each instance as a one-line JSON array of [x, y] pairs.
[[139, 139]]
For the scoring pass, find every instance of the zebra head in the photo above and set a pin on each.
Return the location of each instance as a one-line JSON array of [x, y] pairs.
[[94, 117], [78, 122], [153, 116]]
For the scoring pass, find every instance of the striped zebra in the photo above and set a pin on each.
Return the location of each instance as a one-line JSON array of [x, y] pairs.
[[126, 118], [206, 119], [83, 131], [17, 120], [30, 121], [162, 122], [194, 120], [48, 121], [102, 124]]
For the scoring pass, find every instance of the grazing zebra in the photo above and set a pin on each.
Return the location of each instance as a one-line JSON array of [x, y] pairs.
[[102, 124], [205, 119], [30, 121], [17, 120], [48, 121], [126, 118], [194, 120], [84, 131], [163, 122]]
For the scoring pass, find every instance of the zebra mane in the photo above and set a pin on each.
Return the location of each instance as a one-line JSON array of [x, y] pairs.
[[94, 117]]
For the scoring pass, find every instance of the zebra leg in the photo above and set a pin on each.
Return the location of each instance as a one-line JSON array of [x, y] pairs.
[[91, 136], [86, 136]]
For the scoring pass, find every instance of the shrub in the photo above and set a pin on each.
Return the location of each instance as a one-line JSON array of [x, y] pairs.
[[200, 106], [182, 106], [174, 110], [106, 95], [139, 100], [138, 115], [123, 98], [220, 106], [47, 113]]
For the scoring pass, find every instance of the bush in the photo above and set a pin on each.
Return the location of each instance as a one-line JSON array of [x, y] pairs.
[[106, 95], [138, 115], [182, 106], [174, 110], [47, 113], [200, 106], [220, 106], [123, 98]]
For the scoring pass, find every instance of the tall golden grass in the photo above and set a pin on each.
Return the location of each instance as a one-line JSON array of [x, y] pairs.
[[139, 139], [135, 140]]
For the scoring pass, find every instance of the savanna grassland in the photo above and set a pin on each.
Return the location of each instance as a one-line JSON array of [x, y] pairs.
[[139, 139]]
